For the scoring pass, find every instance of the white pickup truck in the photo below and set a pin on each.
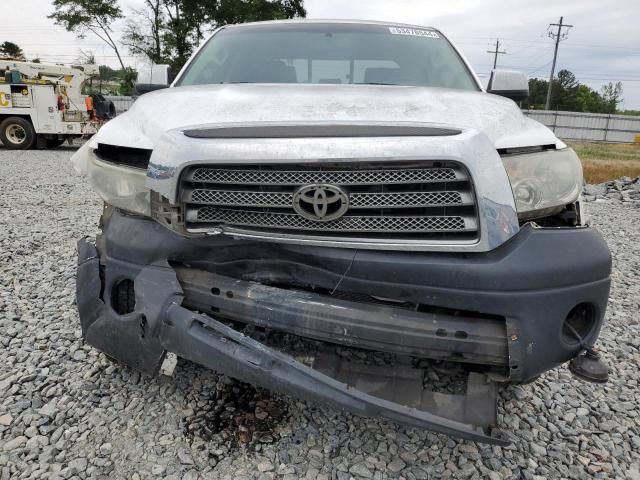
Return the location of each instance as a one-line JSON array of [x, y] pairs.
[[352, 185]]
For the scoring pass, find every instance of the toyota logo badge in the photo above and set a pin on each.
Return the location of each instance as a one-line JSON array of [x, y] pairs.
[[321, 203]]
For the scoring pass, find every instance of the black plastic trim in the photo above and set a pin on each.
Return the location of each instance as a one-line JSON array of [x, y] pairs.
[[320, 131], [127, 156]]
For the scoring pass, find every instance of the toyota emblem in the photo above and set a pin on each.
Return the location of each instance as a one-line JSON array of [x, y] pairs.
[[321, 203]]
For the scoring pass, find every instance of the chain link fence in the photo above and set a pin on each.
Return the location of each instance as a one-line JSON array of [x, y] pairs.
[[594, 127]]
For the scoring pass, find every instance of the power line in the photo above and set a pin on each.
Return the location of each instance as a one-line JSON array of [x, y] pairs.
[[539, 68], [536, 59], [558, 37], [496, 52], [524, 49], [611, 79], [542, 42]]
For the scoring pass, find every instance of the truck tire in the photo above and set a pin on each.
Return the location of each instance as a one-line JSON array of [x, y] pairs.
[[17, 133]]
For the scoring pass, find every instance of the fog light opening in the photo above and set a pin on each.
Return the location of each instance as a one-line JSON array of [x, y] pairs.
[[123, 297], [579, 324]]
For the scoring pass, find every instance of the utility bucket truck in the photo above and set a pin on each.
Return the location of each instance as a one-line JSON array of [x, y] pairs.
[[43, 105]]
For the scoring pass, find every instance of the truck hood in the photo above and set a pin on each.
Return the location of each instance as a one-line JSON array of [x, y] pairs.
[[152, 114]]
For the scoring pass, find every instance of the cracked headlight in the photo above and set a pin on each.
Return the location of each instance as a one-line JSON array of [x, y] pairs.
[[544, 182], [121, 186]]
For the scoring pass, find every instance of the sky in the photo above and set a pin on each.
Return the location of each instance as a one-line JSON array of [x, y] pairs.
[[602, 46]]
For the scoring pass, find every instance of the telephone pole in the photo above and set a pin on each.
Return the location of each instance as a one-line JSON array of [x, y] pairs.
[[558, 37], [496, 52]]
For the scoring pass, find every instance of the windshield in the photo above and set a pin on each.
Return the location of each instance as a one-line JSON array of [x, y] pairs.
[[329, 54]]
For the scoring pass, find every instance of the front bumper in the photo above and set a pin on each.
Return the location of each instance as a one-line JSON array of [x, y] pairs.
[[500, 311]]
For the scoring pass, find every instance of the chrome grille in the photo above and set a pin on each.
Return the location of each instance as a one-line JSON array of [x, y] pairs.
[[357, 200], [344, 224], [242, 199], [339, 177], [421, 200]]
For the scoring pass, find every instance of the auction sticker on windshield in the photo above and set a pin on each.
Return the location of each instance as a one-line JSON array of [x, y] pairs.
[[414, 32]]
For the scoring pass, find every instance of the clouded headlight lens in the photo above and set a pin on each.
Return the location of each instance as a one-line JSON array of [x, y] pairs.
[[543, 181], [121, 186]]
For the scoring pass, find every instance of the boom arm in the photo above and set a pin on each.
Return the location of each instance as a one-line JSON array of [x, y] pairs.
[[72, 76]]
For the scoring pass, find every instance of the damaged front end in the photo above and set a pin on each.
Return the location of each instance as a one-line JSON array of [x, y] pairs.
[[145, 292], [143, 339]]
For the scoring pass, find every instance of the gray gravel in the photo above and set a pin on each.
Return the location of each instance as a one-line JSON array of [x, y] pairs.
[[66, 411]]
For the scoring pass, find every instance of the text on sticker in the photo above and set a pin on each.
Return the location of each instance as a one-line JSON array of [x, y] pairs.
[[414, 32]]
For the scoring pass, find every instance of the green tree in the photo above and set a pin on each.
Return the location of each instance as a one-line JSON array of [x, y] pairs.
[[585, 100], [127, 80], [183, 30], [537, 93], [240, 11], [107, 73], [11, 50], [612, 96], [95, 16], [564, 92], [143, 31], [167, 31], [570, 95], [112, 82]]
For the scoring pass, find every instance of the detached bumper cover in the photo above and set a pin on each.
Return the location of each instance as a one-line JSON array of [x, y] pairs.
[[528, 286], [208, 342]]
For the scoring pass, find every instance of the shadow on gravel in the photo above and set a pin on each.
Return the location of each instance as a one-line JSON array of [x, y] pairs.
[[238, 414]]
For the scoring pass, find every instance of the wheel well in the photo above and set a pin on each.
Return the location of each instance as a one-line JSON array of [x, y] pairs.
[[5, 116]]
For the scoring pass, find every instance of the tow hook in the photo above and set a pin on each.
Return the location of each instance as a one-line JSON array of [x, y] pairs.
[[589, 366]]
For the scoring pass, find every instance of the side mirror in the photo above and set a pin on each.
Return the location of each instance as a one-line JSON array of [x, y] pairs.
[[152, 77], [509, 83]]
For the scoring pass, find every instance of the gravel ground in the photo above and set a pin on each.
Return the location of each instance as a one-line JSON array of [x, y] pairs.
[[66, 411]]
